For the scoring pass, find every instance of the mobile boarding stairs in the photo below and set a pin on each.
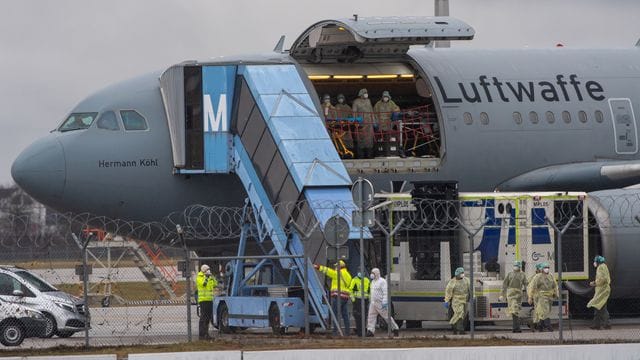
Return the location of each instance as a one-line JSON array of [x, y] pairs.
[[261, 124]]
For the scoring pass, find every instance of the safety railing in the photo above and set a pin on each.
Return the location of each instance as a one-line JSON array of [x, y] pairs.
[[410, 132]]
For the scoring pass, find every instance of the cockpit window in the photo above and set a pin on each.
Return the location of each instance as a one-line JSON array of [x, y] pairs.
[[108, 121], [78, 121], [132, 120]]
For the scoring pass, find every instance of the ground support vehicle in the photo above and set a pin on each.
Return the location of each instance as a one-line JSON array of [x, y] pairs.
[[514, 229]]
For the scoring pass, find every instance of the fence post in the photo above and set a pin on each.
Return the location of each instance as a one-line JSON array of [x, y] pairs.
[[472, 300], [187, 290], [306, 295], [85, 286], [363, 316], [559, 263], [388, 236]]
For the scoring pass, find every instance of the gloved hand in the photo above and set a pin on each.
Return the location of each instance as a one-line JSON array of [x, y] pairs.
[[592, 283], [385, 306], [316, 266], [445, 305], [501, 299]]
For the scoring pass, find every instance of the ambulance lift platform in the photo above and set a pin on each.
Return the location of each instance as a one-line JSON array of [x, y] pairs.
[[513, 228]]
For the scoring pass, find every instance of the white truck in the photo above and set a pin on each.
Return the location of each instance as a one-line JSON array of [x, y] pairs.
[[514, 229]]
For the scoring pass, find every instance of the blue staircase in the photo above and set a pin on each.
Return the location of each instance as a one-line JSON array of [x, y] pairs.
[[277, 145]]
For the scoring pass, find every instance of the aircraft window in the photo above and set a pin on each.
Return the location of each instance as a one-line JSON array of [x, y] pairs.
[[533, 117], [582, 115], [517, 117], [484, 118], [566, 116], [550, 117], [78, 121], [467, 118], [132, 120], [599, 116], [108, 121]]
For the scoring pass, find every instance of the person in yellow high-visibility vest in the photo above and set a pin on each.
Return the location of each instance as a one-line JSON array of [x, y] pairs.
[[600, 298], [205, 283], [340, 293], [356, 291]]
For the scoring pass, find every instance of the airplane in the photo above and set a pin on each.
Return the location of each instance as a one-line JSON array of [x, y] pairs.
[[507, 120]]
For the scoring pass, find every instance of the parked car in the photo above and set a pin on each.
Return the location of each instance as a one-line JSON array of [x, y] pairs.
[[65, 314], [18, 322]]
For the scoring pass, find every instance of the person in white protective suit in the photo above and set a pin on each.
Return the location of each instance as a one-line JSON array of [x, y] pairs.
[[378, 304]]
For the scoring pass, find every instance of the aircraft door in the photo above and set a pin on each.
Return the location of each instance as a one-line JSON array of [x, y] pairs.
[[349, 40], [624, 126]]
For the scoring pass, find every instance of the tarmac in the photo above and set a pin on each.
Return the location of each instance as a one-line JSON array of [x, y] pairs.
[[117, 326]]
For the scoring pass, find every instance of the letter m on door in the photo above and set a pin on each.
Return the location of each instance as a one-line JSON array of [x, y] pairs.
[[217, 97], [215, 121]]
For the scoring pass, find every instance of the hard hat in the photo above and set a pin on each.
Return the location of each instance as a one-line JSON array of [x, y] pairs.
[[459, 271], [545, 265], [386, 93], [359, 275], [362, 92], [539, 266], [326, 97], [204, 268], [340, 96], [342, 264], [517, 263], [375, 271], [599, 259]]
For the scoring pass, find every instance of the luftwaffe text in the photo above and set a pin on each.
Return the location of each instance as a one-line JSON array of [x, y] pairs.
[[490, 89]]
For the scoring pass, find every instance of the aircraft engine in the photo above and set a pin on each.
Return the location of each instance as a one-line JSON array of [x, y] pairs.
[[614, 232]]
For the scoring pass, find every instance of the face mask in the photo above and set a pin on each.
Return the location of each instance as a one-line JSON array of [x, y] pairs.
[[385, 99], [462, 276], [595, 264], [516, 268], [327, 101], [340, 101], [366, 96], [546, 270], [372, 277]]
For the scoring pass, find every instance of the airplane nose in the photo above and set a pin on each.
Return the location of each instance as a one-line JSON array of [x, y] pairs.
[[40, 170]]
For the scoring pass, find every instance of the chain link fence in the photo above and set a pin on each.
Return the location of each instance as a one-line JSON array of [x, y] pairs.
[[136, 293]]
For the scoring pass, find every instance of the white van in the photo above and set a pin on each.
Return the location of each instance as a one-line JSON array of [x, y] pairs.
[[18, 322], [65, 314]]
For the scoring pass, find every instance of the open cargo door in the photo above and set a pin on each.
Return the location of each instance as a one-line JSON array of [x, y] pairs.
[[348, 40]]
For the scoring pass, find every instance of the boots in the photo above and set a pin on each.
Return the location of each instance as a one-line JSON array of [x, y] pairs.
[[460, 327], [516, 324], [547, 325]]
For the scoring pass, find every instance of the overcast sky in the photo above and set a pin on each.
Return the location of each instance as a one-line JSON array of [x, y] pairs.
[[54, 53]]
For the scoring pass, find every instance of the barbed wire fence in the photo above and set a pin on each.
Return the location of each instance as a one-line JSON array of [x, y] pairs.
[[136, 295]]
